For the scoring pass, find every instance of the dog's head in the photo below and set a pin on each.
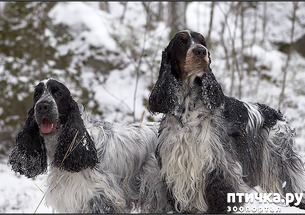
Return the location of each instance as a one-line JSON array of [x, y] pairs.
[[54, 123], [52, 105], [185, 62], [188, 55]]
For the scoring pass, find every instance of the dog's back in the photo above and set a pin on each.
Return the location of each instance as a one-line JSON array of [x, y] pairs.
[[126, 154], [264, 144]]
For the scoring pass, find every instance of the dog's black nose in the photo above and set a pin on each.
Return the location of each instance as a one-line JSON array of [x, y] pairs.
[[43, 107], [200, 52]]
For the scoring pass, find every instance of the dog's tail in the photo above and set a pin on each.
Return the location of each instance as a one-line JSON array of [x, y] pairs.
[[282, 152]]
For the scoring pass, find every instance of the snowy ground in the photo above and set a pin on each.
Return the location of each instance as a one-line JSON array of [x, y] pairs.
[[19, 194]]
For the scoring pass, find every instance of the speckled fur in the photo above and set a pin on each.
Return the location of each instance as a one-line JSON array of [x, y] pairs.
[[190, 149], [124, 153], [94, 166], [210, 144]]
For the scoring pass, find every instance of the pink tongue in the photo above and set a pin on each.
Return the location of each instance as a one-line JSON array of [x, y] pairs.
[[46, 127]]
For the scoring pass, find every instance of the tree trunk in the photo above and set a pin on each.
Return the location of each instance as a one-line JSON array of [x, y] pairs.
[[242, 38], [177, 18], [264, 23], [211, 23], [104, 5], [160, 15], [150, 17], [285, 70]]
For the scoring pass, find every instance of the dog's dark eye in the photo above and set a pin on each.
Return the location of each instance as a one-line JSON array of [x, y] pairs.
[[182, 42], [56, 92], [37, 93]]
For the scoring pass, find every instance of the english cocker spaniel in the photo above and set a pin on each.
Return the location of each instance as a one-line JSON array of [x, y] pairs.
[[210, 144], [94, 166]]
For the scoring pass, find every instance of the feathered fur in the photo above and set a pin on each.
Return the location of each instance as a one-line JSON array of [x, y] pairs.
[[210, 144], [94, 166]]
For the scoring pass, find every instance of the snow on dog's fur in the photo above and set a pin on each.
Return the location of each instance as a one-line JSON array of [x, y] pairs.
[[95, 166], [210, 144]]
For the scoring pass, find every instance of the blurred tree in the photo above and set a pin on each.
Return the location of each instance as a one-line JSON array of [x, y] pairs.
[[28, 52], [177, 16], [33, 48], [26, 56], [208, 37], [104, 5], [288, 59]]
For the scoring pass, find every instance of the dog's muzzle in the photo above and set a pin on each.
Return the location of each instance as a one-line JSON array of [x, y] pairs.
[[46, 117]]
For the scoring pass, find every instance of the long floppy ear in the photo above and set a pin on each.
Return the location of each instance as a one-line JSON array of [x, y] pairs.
[[29, 157], [75, 150], [211, 92], [163, 98]]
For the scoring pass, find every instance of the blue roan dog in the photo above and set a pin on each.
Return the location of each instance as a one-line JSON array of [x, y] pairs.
[[210, 144], [94, 167]]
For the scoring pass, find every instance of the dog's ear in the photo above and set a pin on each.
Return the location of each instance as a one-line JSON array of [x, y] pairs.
[[211, 92], [75, 150], [29, 157], [163, 98]]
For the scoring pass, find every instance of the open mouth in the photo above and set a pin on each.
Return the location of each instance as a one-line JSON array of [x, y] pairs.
[[47, 127]]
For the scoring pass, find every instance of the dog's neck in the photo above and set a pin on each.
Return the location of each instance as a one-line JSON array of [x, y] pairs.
[[51, 142], [190, 104], [191, 108]]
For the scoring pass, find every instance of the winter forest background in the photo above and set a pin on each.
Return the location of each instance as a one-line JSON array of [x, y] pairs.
[[108, 54]]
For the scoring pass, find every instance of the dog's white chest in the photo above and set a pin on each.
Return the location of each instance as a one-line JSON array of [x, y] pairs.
[[187, 154], [69, 192]]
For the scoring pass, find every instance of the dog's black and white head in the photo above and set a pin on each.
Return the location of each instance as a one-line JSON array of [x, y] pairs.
[[54, 127], [187, 54], [185, 61], [52, 100]]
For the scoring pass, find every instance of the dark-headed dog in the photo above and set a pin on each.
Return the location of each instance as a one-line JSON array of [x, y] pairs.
[[209, 144]]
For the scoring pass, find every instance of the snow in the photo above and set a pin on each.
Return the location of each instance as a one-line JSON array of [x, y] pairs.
[[20, 194], [89, 23], [115, 92], [93, 27]]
